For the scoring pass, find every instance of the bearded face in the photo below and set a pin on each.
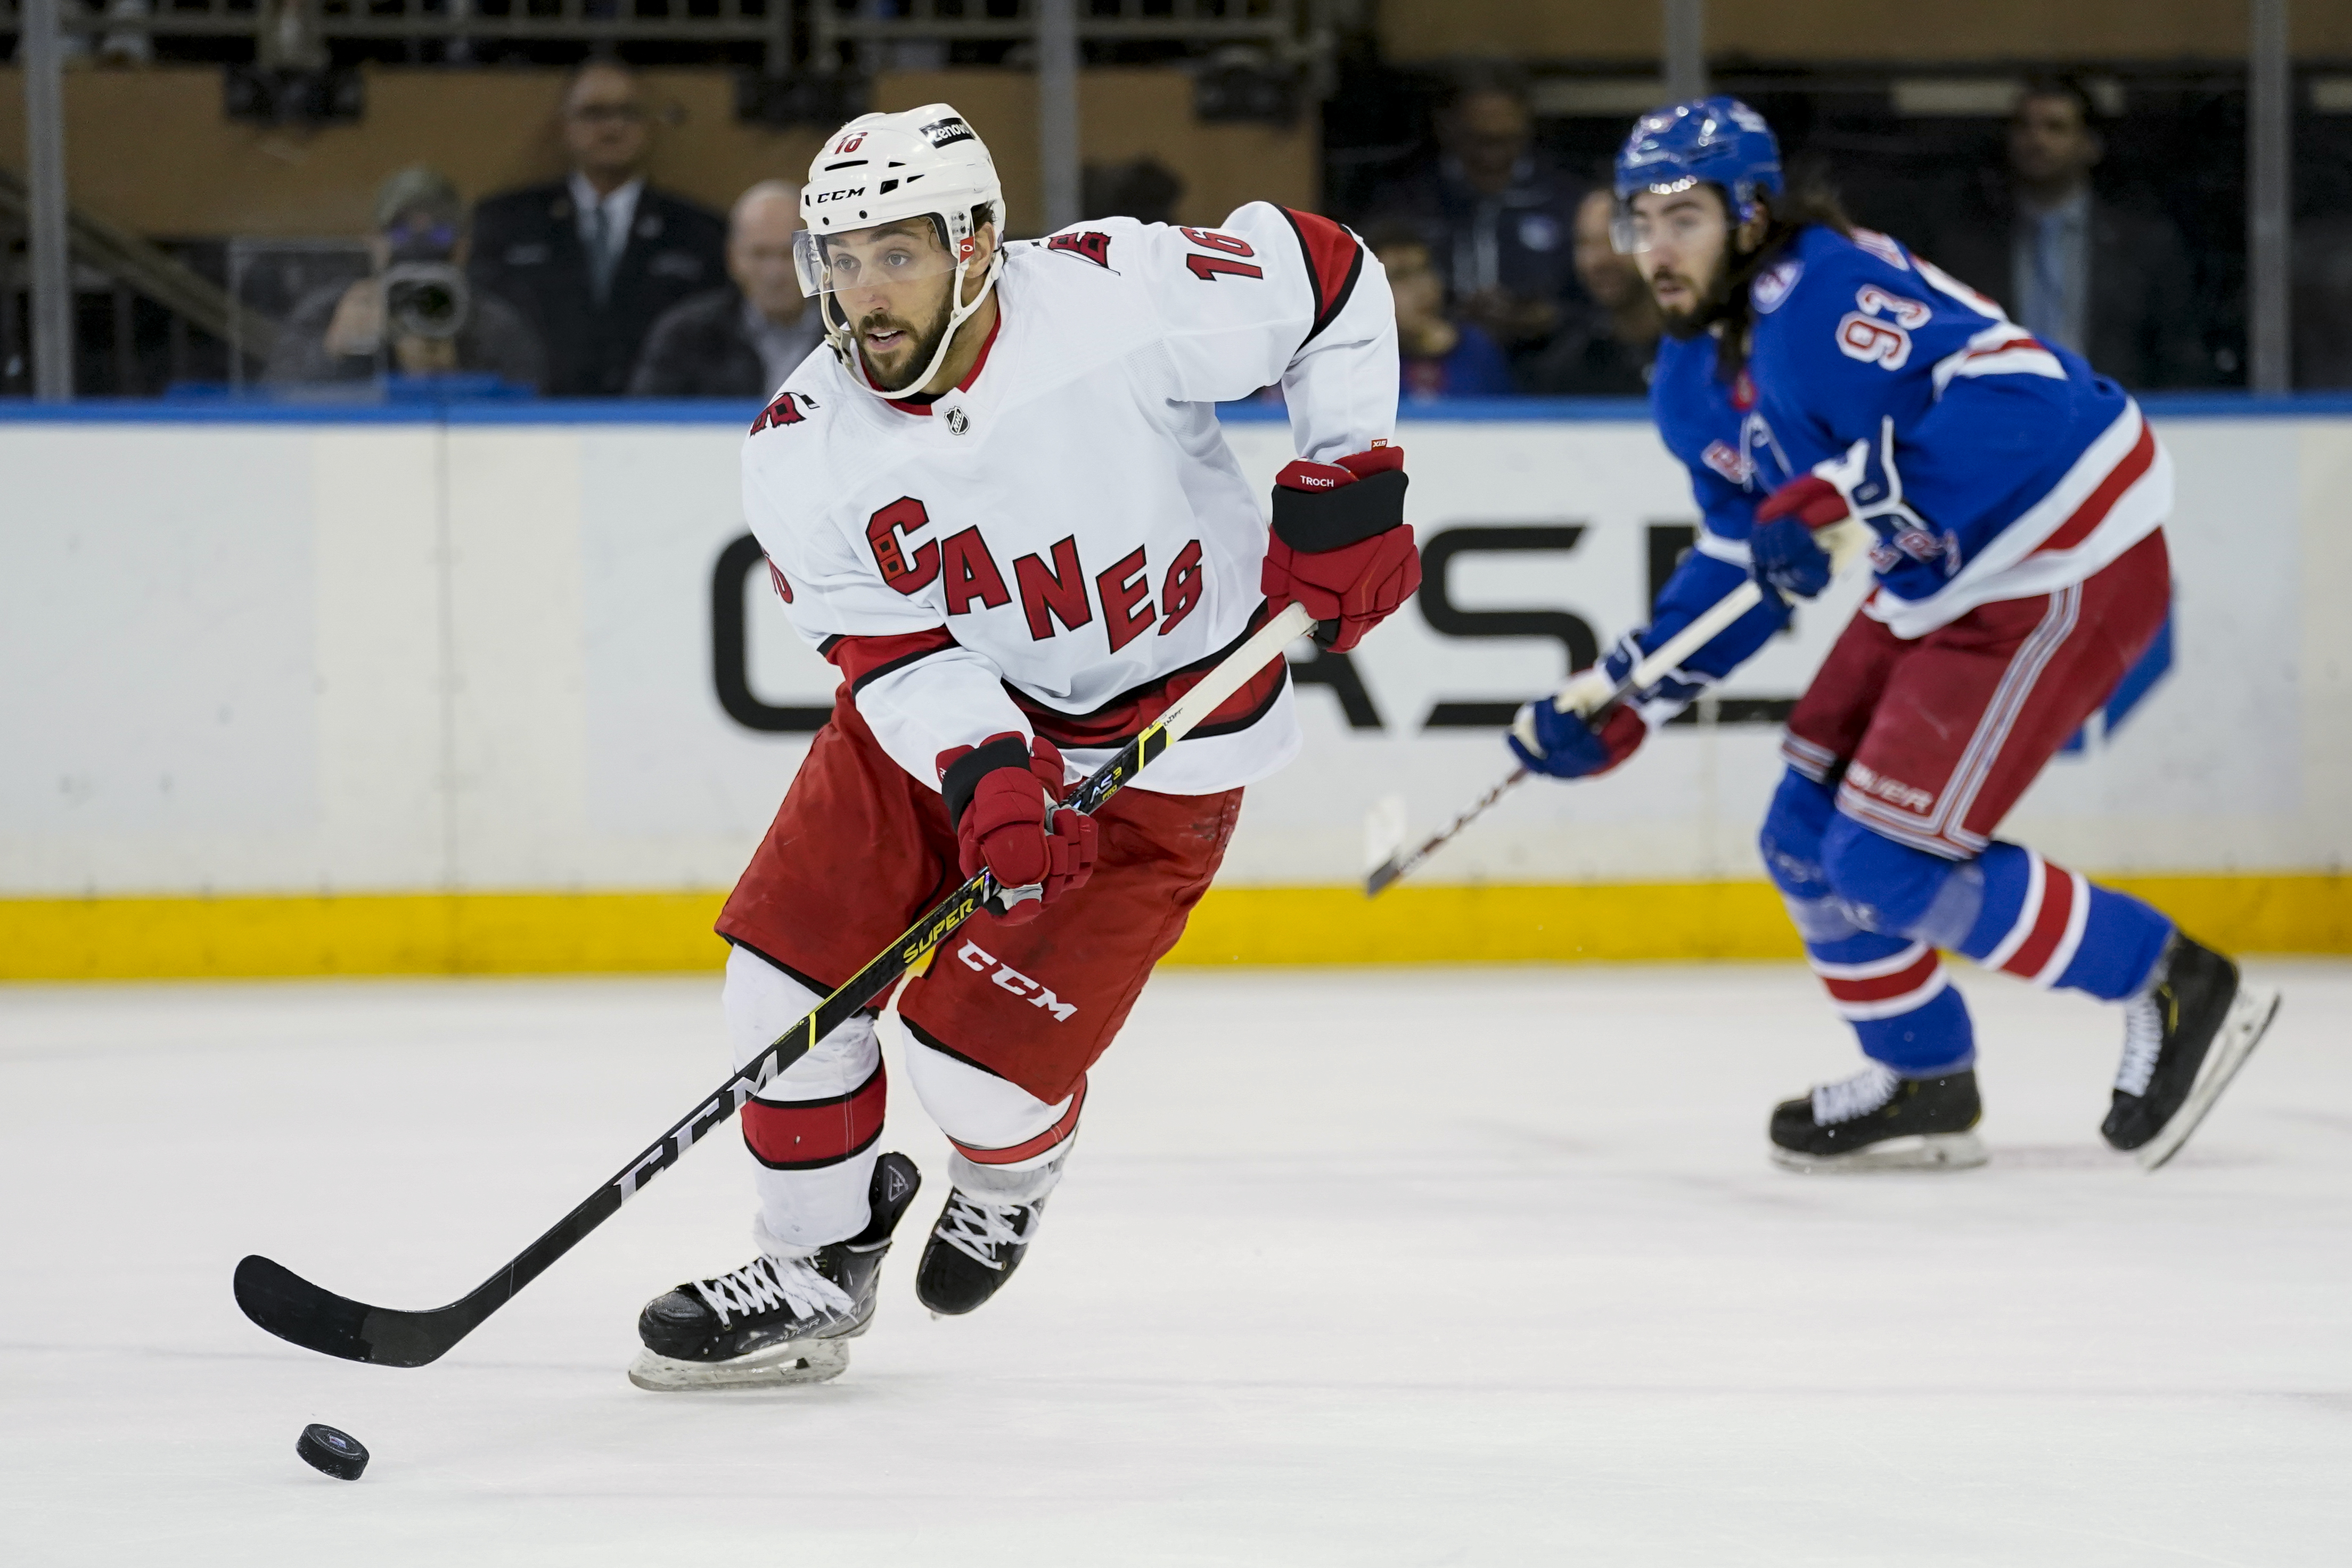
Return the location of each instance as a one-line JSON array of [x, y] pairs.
[[1710, 295], [1683, 244], [894, 350]]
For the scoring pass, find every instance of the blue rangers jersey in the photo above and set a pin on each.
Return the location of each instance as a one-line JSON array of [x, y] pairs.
[[1989, 464], [1713, 426]]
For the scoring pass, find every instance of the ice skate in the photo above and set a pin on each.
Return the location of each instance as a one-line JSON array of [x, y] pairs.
[[775, 1320], [2184, 1039], [973, 1250], [1878, 1120]]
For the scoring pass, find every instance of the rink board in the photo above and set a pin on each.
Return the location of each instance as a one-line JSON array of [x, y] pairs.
[[385, 691]]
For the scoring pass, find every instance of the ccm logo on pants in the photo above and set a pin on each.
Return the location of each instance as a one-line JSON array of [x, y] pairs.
[[979, 961]]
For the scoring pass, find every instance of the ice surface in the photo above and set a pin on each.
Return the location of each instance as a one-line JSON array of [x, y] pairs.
[[1352, 1268]]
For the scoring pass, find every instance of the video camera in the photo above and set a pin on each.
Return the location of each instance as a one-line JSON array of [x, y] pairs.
[[424, 293]]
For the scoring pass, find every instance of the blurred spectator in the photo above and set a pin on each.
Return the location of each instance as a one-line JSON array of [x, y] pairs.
[[1496, 219], [2323, 302], [593, 260], [1439, 356], [1143, 189], [2072, 268], [416, 316], [1604, 348], [742, 340]]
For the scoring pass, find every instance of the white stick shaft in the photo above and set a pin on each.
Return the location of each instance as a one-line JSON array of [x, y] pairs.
[[1846, 542], [1236, 671], [1660, 662]]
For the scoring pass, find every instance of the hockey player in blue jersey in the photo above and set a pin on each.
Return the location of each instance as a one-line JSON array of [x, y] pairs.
[[1816, 373]]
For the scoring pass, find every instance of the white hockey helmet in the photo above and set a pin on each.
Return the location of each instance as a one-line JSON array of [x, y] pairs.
[[882, 169]]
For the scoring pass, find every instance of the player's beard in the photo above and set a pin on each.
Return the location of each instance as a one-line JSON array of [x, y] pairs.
[[1708, 310], [925, 340]]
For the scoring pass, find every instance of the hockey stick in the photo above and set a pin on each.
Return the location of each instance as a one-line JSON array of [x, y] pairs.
[[295, 1309], [1848, 541]]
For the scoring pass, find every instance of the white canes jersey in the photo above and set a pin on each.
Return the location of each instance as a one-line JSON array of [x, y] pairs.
[[1061, 545]]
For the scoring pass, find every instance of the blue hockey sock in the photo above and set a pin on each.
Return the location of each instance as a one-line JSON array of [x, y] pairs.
[[2052, 927], [1891, 988], [1901, 1003]]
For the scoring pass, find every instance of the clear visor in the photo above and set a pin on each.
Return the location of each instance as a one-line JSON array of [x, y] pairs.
[[1675, 221], [870, 257]]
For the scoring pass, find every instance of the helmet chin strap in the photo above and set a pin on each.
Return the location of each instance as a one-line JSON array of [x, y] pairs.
[[844, 346]]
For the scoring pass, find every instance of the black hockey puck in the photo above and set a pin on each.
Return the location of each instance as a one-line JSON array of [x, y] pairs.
[[337, 1453]]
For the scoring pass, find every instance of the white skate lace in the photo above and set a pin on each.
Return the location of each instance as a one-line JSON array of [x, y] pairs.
[[1859, 1096], [766, 1284], [2143, 1039], [976, 1228]]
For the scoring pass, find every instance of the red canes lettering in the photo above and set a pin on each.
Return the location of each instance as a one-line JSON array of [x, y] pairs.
[[1126, 592], [1180, 591], [1058, 593], [968, 572], [904, 515]]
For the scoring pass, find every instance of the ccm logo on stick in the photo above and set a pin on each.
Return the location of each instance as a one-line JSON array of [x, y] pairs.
[[979, 961]]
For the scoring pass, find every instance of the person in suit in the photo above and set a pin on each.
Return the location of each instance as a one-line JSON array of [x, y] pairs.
[[743, 340], [2071, 267], [1498, 218], [594, 259]]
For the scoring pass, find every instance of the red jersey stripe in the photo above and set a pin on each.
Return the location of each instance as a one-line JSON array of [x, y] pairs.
[[865, 659], [1122, 718], [2095, 508]]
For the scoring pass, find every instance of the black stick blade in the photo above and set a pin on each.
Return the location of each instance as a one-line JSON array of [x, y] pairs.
[[1387, 871], [299, 1312]]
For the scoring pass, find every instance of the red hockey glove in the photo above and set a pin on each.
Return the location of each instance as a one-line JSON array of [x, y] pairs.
[[1786, 554], [1001, 796], [1340, 545]]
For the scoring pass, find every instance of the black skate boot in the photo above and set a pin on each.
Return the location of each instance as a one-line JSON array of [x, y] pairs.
[[973, 1250], [2184, 1039], [1877, 1120], [775, 1320]]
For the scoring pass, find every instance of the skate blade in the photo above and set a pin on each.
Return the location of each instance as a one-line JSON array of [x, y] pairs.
[[795, 1360], [2243, 1028], [1921, 1152]]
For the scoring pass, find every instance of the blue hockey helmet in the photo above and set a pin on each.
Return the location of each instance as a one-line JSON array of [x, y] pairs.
[[1719, 140]]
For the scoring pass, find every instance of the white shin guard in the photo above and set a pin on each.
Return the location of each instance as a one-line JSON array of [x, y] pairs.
[[985, 1116], [801, 1210]]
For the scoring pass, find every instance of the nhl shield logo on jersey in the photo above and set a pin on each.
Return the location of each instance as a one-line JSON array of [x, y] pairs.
[[958, 421]]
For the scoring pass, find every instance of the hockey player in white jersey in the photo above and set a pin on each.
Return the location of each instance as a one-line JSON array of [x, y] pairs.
[[1000, 504]]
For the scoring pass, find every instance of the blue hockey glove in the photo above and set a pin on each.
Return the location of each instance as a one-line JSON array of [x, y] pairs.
[[1786, 553], [1564, 744]]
